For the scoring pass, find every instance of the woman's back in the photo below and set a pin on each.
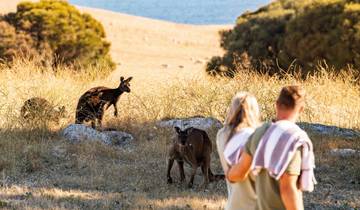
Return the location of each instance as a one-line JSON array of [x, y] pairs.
[[241, 195]]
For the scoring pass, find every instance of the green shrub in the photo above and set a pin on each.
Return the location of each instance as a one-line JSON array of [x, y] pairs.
[[60, 29], [288, 32]]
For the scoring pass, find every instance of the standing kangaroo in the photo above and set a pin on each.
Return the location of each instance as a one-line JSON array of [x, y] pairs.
[[94, 102], [194, 147]]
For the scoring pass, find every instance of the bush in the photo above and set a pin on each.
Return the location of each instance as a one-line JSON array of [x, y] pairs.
[[14, 44], [288, 32], [59, 29]]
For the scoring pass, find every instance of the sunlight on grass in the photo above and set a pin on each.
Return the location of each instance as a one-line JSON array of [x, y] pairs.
[[60, 175]]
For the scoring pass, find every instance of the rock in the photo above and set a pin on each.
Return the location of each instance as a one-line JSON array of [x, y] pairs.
[[344, 152], [119, 138], [330, 130], [203, 123], [165, 66], [181, 66], [199, 61], [76, 133]]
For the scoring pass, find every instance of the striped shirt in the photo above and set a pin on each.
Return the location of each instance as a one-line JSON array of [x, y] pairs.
[[278, 146]]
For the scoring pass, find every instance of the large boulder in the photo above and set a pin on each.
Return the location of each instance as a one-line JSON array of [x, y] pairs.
[[330, 130], [204, 123], [76, 133]]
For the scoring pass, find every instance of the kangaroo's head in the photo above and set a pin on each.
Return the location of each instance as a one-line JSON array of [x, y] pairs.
[[182, 136], [61, 112], [125, 84]]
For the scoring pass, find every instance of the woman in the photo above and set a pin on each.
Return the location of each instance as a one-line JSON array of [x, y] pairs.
[[241, 120]]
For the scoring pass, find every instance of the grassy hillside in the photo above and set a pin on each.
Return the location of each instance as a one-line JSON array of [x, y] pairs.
[[40, 170]]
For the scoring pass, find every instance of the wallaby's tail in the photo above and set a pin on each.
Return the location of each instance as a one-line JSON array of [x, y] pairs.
[[218, 177], [215, 177]]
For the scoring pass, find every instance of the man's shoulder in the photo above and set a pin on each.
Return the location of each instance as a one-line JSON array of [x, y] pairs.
[[255, 138], [260, 131]]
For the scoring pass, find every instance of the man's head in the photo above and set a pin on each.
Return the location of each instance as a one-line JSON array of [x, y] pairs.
[[290, 102]]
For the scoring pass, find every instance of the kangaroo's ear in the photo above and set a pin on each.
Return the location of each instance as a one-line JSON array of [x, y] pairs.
[[129, 79], [177, 129], [121, 79], [189, 130], [62, 109]]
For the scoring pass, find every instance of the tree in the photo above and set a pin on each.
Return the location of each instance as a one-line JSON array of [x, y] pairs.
[[71, 37], [288, 32], [14, 44]]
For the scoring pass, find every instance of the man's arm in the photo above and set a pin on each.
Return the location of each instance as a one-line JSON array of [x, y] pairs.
[[240, 171], [289, 192]]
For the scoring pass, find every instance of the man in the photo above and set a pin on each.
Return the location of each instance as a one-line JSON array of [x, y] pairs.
[[278, 152]]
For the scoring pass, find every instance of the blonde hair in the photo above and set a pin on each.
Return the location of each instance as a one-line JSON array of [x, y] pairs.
[[243, 112]]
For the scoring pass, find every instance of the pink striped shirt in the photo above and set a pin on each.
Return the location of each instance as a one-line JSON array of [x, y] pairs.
[[278, 146]]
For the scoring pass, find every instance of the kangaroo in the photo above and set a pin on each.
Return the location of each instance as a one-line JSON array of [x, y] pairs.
[[94, 102], [194, 147], [37, 108]]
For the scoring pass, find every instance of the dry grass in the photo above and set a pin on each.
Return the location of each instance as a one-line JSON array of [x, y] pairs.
[[40, 170]]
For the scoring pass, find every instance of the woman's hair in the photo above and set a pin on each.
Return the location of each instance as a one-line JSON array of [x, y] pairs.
[[243, 112]]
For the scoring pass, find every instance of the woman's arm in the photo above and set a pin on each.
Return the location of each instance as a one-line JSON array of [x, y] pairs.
[[220, 145], [241, 170]]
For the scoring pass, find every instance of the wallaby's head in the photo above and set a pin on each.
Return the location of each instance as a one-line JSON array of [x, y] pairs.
[[182, 135], [125, 84], [60, 112]]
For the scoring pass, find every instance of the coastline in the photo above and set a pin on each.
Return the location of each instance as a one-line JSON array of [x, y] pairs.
[[153, 51]]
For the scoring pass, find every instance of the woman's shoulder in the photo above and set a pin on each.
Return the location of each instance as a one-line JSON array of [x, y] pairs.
[[221, 133]]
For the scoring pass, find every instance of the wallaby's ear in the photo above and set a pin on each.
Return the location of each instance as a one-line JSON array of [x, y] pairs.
[[62, 110], [129, 79], [177, 129], [121, 79]]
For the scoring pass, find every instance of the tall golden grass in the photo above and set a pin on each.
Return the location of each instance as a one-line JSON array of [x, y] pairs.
[[332, 98], [60, 175]]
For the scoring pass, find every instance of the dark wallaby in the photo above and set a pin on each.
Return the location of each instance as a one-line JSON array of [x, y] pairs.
[[38, 108], [194, 147], [94, 102]]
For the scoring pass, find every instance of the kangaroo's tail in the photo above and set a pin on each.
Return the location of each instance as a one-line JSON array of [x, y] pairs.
[[215, 177]]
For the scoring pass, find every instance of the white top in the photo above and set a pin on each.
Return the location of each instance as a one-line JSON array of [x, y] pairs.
[[236, 144], [241, 195]]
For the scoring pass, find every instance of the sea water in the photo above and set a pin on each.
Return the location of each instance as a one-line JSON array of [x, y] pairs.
[[199, 12]]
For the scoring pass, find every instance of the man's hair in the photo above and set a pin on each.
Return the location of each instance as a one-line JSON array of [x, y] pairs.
[[291, 96]]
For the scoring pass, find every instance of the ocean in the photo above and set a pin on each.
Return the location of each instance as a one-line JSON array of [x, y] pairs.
[[200, 12]]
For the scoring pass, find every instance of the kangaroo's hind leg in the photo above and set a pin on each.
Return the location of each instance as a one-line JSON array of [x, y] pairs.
[[181, 170], [205, 169], [194, 168], [170, 164]]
